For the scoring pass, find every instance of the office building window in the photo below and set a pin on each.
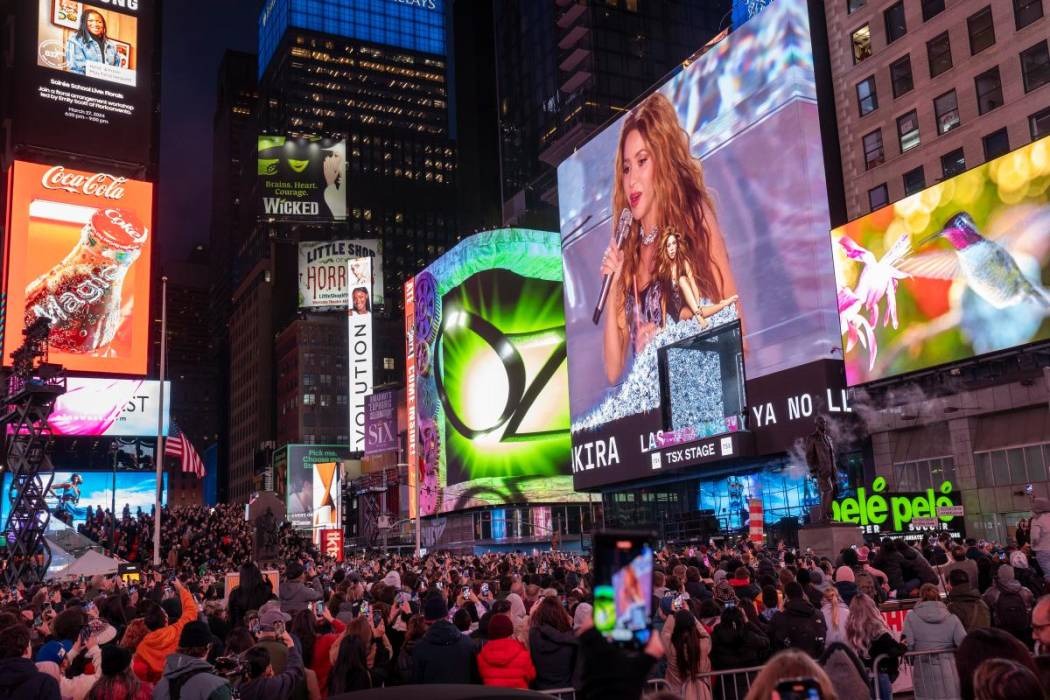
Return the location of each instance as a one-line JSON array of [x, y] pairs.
[[854, 5], [867, 99], [939, 53], [1035, 66], [914, 180], [861, 39], [946, 109], [874, 154], [895, 24], [989, 90], [1026, 12], [908, 131], [931, 8], [878, 197], [900, 76], [981, 30], [953, 163], [996, 144], [1039, 124]]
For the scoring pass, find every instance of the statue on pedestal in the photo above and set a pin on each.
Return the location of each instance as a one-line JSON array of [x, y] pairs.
[[820, 457]]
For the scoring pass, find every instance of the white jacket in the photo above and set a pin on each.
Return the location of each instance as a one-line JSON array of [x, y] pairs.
[[1041, 532]]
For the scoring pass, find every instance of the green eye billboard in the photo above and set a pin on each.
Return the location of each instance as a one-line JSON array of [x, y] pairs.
[[301, 179], [492, 420]]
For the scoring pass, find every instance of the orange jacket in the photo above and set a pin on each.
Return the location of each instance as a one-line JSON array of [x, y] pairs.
[[156, 646]]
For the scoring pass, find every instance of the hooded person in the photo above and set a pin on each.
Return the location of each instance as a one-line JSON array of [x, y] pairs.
[[187, 674], [965, 602], [931, 627], [443, 654], [1011, 604], [518, 615], [1041, 534], [504, 662], [393, 579], [846, 583], [20, 679], [799, 625]]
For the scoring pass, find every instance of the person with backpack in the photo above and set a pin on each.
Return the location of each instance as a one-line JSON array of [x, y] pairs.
[[965, 603], [1011, 605], [187, 674], [799, 625]]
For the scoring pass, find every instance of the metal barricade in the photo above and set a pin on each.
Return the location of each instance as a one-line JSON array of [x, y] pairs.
[[560, 693], [738, 684], [928, 670]]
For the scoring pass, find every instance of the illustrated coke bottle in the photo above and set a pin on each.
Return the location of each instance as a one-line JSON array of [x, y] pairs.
[[82, 295]]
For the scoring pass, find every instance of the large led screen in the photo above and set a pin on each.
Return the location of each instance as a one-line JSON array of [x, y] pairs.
[[492, 391], [110, 408], [325, 278], [957, 270], [307, 489], [79, 254], [72, 492], [700, 214], [86, 77], [302, 179]]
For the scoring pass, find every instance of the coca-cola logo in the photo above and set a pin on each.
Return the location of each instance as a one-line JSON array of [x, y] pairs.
[[101, 185]]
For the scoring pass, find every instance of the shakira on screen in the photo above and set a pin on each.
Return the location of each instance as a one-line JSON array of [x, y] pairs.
[[662, 186]]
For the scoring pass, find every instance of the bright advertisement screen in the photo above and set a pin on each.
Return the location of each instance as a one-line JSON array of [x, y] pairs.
[[324, 282], [302, 496], [72, 492], [490, 375], [87, 77], [718, 264], [302, 179], [359, 316], [109, 407], [957, 270], [326, 494], [79, 254]]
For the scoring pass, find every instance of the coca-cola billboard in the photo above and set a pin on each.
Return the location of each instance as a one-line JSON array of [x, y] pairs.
[[79, 254], [85, 77]]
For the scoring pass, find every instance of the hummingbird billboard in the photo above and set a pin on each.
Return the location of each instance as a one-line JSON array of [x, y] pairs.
[[699, 286], [957, 270]]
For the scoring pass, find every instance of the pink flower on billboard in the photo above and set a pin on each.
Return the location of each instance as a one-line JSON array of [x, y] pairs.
[[879, 278], [855, 326]]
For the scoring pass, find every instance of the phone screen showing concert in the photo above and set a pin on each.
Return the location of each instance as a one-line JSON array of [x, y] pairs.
[[623, 590]]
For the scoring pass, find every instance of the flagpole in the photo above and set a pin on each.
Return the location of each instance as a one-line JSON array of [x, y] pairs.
[[158, 457]]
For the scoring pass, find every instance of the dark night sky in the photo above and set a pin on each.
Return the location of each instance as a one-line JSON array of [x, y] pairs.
[[196, 33]]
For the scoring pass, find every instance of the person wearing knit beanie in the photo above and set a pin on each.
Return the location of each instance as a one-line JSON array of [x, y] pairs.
[[844, 573], [500, 626]]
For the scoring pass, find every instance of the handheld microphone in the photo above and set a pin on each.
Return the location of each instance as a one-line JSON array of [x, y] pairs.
[[622, 227]]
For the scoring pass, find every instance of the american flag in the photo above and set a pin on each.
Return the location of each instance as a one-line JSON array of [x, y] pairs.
[[178, 445]]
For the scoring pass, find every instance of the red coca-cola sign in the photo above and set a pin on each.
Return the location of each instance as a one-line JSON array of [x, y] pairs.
[[93, 185]]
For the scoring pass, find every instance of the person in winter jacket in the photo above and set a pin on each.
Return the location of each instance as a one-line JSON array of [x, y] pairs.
[[835, 613], [553, 645], [737, 644], [295, 595], [189, 672], [19, 678], [890, 562], [870, 637], [930, 626], [262, 683], [444, 654], [917, 564], [56, 658], [799, 625], [163, 638], [250, 594], [966, 603], [1011, 604], [504, 662], [845, 584], [959, 560], [1040, 534], [688, 648]]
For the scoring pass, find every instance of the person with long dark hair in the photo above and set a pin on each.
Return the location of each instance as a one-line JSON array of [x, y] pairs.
[[553, 645], [350, 671], [118, 682], [251, 593], [90, 44], [688, 648]]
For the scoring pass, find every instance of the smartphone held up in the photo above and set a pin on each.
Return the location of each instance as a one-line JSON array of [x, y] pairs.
[[623, 587]]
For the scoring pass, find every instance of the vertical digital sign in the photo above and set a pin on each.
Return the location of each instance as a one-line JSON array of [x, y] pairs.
[[79, 255], [359, 314], [85, 77]]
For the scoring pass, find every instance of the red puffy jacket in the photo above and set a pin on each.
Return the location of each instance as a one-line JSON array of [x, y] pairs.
[[506, 663]]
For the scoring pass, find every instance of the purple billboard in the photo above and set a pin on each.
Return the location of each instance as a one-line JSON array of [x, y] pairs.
[[381, 422]]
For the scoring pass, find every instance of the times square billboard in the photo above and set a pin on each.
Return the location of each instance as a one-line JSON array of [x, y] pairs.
[[78, 253], [487, 389], [717, 336], [955, 271], [85, 77]]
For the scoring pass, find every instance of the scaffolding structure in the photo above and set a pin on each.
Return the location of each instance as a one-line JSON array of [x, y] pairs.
[[30, 391]]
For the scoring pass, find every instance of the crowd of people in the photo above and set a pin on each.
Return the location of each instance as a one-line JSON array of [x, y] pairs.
[[975, 616]]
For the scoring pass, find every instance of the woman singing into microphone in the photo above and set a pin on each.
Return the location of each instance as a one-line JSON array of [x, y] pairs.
[[663, 185]]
